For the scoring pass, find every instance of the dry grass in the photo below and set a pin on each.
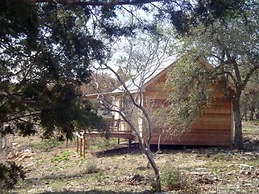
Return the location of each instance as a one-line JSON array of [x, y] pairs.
[[56, 168]]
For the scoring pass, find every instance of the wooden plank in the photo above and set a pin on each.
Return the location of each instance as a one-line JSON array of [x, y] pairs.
[[211, 125], [81, 146], [155, 94], [84, 142], [196, 137], [215, 118], [218, 94], [208, 133], [218, 111], [204, 125], [196, 141], [116, 134], [77, 147], [191, 142], [221, 104], [213, 121]]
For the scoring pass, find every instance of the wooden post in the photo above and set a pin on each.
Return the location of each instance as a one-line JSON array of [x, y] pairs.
[[77, 144], [130, 142], [83, 144], [80, 146]]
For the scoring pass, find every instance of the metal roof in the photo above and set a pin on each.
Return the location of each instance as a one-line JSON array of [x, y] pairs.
[[143, 78]]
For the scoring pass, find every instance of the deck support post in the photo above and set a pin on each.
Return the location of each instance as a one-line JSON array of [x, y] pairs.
[[80, 146], [77, 144], [82, 137], [84, 145], [130, 143]]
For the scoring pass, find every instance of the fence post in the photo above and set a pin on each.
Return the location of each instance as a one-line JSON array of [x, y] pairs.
[[83, 144], [80, 146], [77, 143]]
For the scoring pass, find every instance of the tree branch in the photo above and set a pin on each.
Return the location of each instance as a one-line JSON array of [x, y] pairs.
[[94, 3], [19, 117], [250, 73]]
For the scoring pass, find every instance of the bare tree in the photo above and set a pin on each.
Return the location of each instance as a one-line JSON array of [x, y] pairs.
[[140, 64]]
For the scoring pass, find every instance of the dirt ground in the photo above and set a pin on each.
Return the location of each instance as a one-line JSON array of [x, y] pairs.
[[56, 167]]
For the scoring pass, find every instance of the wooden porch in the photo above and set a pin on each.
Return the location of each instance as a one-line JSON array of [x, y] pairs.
[[114, 131]]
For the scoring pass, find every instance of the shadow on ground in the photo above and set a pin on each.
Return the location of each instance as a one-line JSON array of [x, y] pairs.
[[250, 145], [117, 151], [96, 192]]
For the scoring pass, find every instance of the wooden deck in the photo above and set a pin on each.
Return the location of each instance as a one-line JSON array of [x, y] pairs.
[[82, 136], [110, 134]]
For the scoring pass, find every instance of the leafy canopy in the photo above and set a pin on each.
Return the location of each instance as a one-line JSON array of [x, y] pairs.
[[45, 57], [230, 44], [190, 83]]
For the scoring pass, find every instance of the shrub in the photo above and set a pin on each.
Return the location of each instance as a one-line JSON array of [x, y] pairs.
[[64, 156], [10, 173], [91, 166], [173, 179]]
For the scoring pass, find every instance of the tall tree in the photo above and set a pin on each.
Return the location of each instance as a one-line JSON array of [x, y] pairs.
[[45, 57], [230, 44], [46, 47], [45, 53], [129, 101]]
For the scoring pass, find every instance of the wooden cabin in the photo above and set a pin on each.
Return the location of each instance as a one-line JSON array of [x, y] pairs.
[[213, 128]]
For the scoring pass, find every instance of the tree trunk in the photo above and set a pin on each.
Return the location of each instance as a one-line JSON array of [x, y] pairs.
[[151, 160], [238, 138], [145, 147]]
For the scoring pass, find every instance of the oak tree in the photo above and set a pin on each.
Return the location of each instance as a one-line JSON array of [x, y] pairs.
[[230, 44]]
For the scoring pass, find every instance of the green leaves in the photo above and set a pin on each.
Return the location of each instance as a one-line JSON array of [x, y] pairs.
[[26, 128], [228, 40], [185, 15], [189, 82], [10, 173], [17, 18], [46, 50]]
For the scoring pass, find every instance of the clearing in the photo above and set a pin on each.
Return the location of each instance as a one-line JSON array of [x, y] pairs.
[[55, 167]]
